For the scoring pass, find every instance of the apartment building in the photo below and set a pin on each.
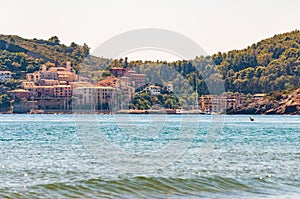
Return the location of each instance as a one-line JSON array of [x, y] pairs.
[[19, 93], [93, 98], [33, 77], [57, 91], [53, 73], [153, 90], [138, 80], [219, 104]]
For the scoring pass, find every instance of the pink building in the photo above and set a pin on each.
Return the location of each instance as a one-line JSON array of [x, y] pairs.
[[20, 93], [33, 77], [62, 91], [37, 92], [49, 82], [137, 79], [118, 72]]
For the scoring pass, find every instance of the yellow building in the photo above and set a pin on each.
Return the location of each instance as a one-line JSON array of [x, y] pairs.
[[219, 104]]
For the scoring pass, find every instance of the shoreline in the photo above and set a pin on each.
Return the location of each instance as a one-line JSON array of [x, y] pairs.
[[134, 112]]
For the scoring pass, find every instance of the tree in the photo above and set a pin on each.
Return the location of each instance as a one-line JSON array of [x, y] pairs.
[[4, 102], [54, 39], [12, 40], [169, 104]]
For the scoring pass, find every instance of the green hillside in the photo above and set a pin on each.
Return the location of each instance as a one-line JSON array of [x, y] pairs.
[[26, 55], [271, 64]]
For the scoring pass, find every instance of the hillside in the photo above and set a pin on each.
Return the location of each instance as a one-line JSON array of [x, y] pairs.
[[26, 55], [271, 64]]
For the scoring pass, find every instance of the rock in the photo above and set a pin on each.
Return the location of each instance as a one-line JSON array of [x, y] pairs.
[[289, 104]]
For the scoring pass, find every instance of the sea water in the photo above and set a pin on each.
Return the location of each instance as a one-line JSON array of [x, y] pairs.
[[149, 156]]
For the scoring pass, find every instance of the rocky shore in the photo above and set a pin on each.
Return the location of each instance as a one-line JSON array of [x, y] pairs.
[[277, 102]]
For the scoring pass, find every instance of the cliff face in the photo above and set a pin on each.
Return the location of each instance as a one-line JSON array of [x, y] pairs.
[[277, 102]]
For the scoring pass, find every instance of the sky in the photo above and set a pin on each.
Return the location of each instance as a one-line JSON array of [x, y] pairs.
[[216, 25]]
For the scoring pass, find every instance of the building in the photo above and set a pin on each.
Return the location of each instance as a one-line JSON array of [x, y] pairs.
[[60, 91], [55, 104], [49, 82], [169, 87], [64, 74], [211, 103], [27, 84], [5, 75], [24, 106], [110, 82], [124, 90], [38, 92], [153, 90], [53, 73], [57, 91], [80, 84], [20, 93], [138, 80], [93, 98], [118, 72], [124, 94], [125, 81], [33, 77], [48, 74], [219, 104]]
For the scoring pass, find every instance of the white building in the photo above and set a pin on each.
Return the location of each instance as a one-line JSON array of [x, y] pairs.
[[153, 90], [169, 87], [95, 98], [5, 75]]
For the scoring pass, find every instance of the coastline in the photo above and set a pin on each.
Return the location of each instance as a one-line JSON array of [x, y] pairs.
[[140, 112]]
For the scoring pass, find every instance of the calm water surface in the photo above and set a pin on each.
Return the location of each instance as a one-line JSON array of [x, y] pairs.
[[109, 156]]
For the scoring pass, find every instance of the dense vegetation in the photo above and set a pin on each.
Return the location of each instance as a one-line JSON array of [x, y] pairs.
[[271, 64], [26, 55], [4, 102]]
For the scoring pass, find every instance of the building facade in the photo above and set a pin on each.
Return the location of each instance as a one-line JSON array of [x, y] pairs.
[[93, 98], [219, 104]]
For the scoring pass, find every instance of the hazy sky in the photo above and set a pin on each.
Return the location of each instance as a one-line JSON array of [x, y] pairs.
[[216, 25]]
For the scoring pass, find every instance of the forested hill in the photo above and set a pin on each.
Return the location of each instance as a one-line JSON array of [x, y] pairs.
[[26, 55], [271, 64]]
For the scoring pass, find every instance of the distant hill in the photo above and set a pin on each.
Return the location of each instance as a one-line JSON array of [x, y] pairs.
[[51, 49], [26, 55], [271, 64]]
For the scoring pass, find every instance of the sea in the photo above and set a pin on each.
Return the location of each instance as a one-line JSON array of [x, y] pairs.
[[149, 156]]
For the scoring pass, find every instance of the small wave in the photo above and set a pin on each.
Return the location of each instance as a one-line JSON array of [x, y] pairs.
[[137, 187]]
